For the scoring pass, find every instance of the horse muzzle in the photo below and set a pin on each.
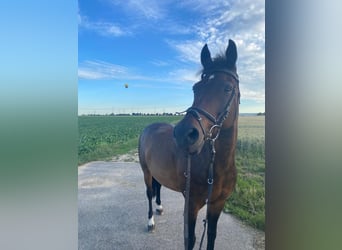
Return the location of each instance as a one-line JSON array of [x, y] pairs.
[[188, 137]]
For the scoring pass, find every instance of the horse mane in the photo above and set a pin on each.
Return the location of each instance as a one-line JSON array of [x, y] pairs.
[[219, 62]]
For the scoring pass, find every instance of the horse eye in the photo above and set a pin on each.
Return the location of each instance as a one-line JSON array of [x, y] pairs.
[[227, 89]]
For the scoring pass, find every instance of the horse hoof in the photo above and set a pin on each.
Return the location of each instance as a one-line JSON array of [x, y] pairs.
[[151, 228], [159, 211]]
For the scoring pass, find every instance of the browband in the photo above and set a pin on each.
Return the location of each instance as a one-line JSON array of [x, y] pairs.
[[229, 72]]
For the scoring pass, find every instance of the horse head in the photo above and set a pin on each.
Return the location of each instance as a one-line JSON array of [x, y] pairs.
[[216, 101]]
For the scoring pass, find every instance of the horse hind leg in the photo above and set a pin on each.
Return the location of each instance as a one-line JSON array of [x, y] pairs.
[[156, 189], [151, 224], [149, 194], [152, 190]]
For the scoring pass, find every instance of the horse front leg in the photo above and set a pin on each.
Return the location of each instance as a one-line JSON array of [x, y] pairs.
[[192, 235], [213, 216], [192, 217]]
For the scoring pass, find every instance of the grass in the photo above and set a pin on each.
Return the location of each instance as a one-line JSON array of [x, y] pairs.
[[248, 200], [102, 137]]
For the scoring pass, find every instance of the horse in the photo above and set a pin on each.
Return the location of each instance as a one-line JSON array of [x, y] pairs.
[[199, 151]]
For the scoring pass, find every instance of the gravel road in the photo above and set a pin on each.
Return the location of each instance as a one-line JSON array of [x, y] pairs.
[[112, 214]]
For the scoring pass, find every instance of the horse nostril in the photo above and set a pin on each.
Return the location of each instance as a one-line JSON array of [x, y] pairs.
[[192, 136]]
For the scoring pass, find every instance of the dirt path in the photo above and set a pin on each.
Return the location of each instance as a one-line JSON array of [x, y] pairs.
[[112, 213], [132, 156]]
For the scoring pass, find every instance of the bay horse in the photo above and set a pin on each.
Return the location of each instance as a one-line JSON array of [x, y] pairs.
[[203, 141]]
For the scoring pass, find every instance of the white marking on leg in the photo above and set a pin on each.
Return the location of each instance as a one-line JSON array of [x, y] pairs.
[[151, 221], [159, 207]]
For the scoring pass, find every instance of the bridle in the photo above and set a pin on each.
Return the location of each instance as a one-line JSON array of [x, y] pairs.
[[216, 121], [217, 124]]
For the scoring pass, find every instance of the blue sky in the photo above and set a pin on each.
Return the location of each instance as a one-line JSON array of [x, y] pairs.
[[154, 47]]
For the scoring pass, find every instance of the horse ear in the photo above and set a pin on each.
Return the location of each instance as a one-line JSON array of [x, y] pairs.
[[205, 57], [231, 53]]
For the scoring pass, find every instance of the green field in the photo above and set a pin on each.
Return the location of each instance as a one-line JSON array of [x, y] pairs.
[[248, 200], [102, 137]]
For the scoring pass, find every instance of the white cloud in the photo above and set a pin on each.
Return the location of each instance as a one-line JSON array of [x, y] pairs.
[[101, 70], [204, 7], [189, 51], [102, 28], [152, 15], [220, 20], [160, 63], [89, 74], [151, 10], [182, 76], [257, 96], [238, 20], [242, 21]]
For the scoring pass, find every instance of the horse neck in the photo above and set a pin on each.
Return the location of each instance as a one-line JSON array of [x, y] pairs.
[[226, 143]]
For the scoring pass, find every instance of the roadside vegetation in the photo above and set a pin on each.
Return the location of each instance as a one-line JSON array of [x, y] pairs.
[[248, 200], [103, 137]]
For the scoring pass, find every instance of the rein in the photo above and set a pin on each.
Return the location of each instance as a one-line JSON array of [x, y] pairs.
[[217, 125]]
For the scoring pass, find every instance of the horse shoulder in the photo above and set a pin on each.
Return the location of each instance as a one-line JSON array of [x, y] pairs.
[[162, 155]]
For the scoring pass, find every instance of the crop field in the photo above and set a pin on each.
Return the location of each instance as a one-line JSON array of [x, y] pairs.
[[248, 200], [102, 137]]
